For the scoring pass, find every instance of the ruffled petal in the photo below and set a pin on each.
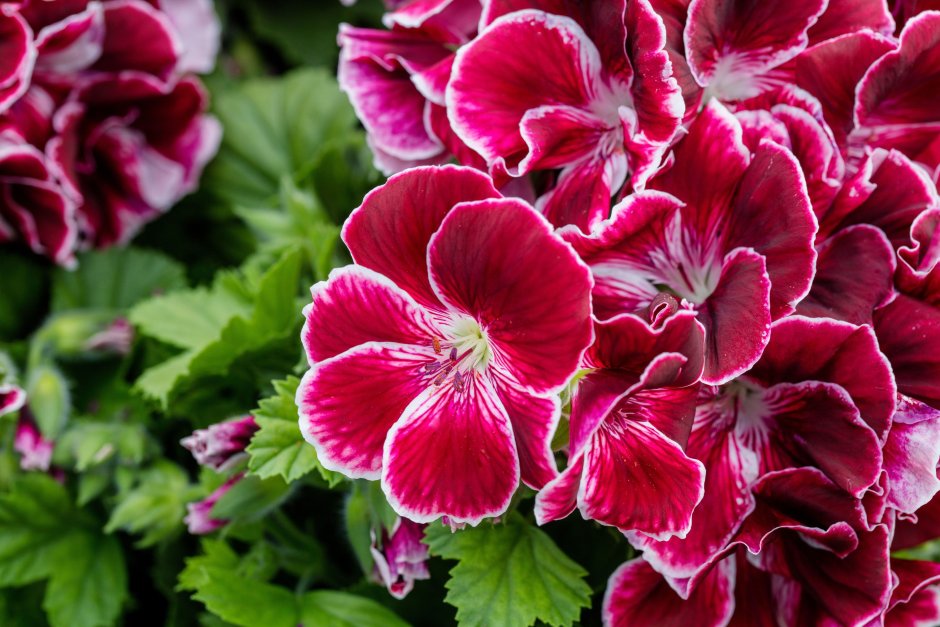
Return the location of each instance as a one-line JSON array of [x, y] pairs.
[[736, 317], [850, 16], [429, 471], [553, 61], [357, 305], [731, 43], [138, 37], [854, 275], [12, 398], [637, 479], [581, 195], [499, 262], [638, 596], [390, 231], [912, 455], [909, 334], [817, 349], [348, 404], [17, 58]]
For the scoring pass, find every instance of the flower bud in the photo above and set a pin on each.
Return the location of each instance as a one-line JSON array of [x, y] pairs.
[[199, 518], [35, 451], [221, 445], [401, 558]]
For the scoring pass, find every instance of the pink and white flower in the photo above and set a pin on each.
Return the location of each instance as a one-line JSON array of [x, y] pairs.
[[732, 238], [400, 557], [199, 520], [630, 419], [221, 445], [35, 450], [462, 318], [586, 91]]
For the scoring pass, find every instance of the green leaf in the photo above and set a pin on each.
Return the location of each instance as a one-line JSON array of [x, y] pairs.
[[89, 443], [49, 399], [281, 124], [329, 608], [155, 507], [236, 330], [278, 448], [88, 585], [510, 574], [42, 535], [233, 597], [115, 279]]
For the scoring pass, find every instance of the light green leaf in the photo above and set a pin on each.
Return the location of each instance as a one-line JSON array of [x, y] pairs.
[[330, 608], [49, 399], [42, 535], [278, 448], [89, 443], [190, 319], [250, 498], [155, 507], [115, 279], [509, 574], [88, 584]]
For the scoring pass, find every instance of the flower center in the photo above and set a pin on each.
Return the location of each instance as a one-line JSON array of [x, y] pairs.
[[467, 353]]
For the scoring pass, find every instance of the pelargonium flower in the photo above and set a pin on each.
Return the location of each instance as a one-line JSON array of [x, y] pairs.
[[220, 445], [400, 557], [199, 520], [584, 88], [115, 129], [734, 240], [35, 450], [395, 80], [462, 317], [820, 396], [630, 419]]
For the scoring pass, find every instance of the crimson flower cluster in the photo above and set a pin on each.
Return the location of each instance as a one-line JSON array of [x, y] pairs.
[[102, 123], [712, 227]]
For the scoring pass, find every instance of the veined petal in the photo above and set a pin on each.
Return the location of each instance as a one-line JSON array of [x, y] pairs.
[[736, 317], [558, 135], [348, 403], [818, 349], [489, 92], [637, 479], [390, 231], [730, 42], [909, 533], [429, 470], [638, 596], [581, 195], [499, 262], [909, 334], [851, 16], [138, 37], [534, 420], [912, 455], [854, 275], [357, 305], [559, 497]]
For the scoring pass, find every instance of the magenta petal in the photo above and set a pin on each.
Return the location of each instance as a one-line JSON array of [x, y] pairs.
[[909, 334], [499, 262], [559, 497], [919, 270], [357, 305], [909, 533], [638, 596], [73, 44], [736, 317], [819, 349], [558, 135], [138, 37], [637, 479], [200, 31], [402, 215], [899, 87], [730, 468], [730, 42], [914, 577], [849, 16], [12, 398], [853, 54], [912, 455], [854, 274], [534, 419], [581, 195], [818, 424], [428, 470], [772, 214], [348, 403], [17, 57], [553, 61]]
